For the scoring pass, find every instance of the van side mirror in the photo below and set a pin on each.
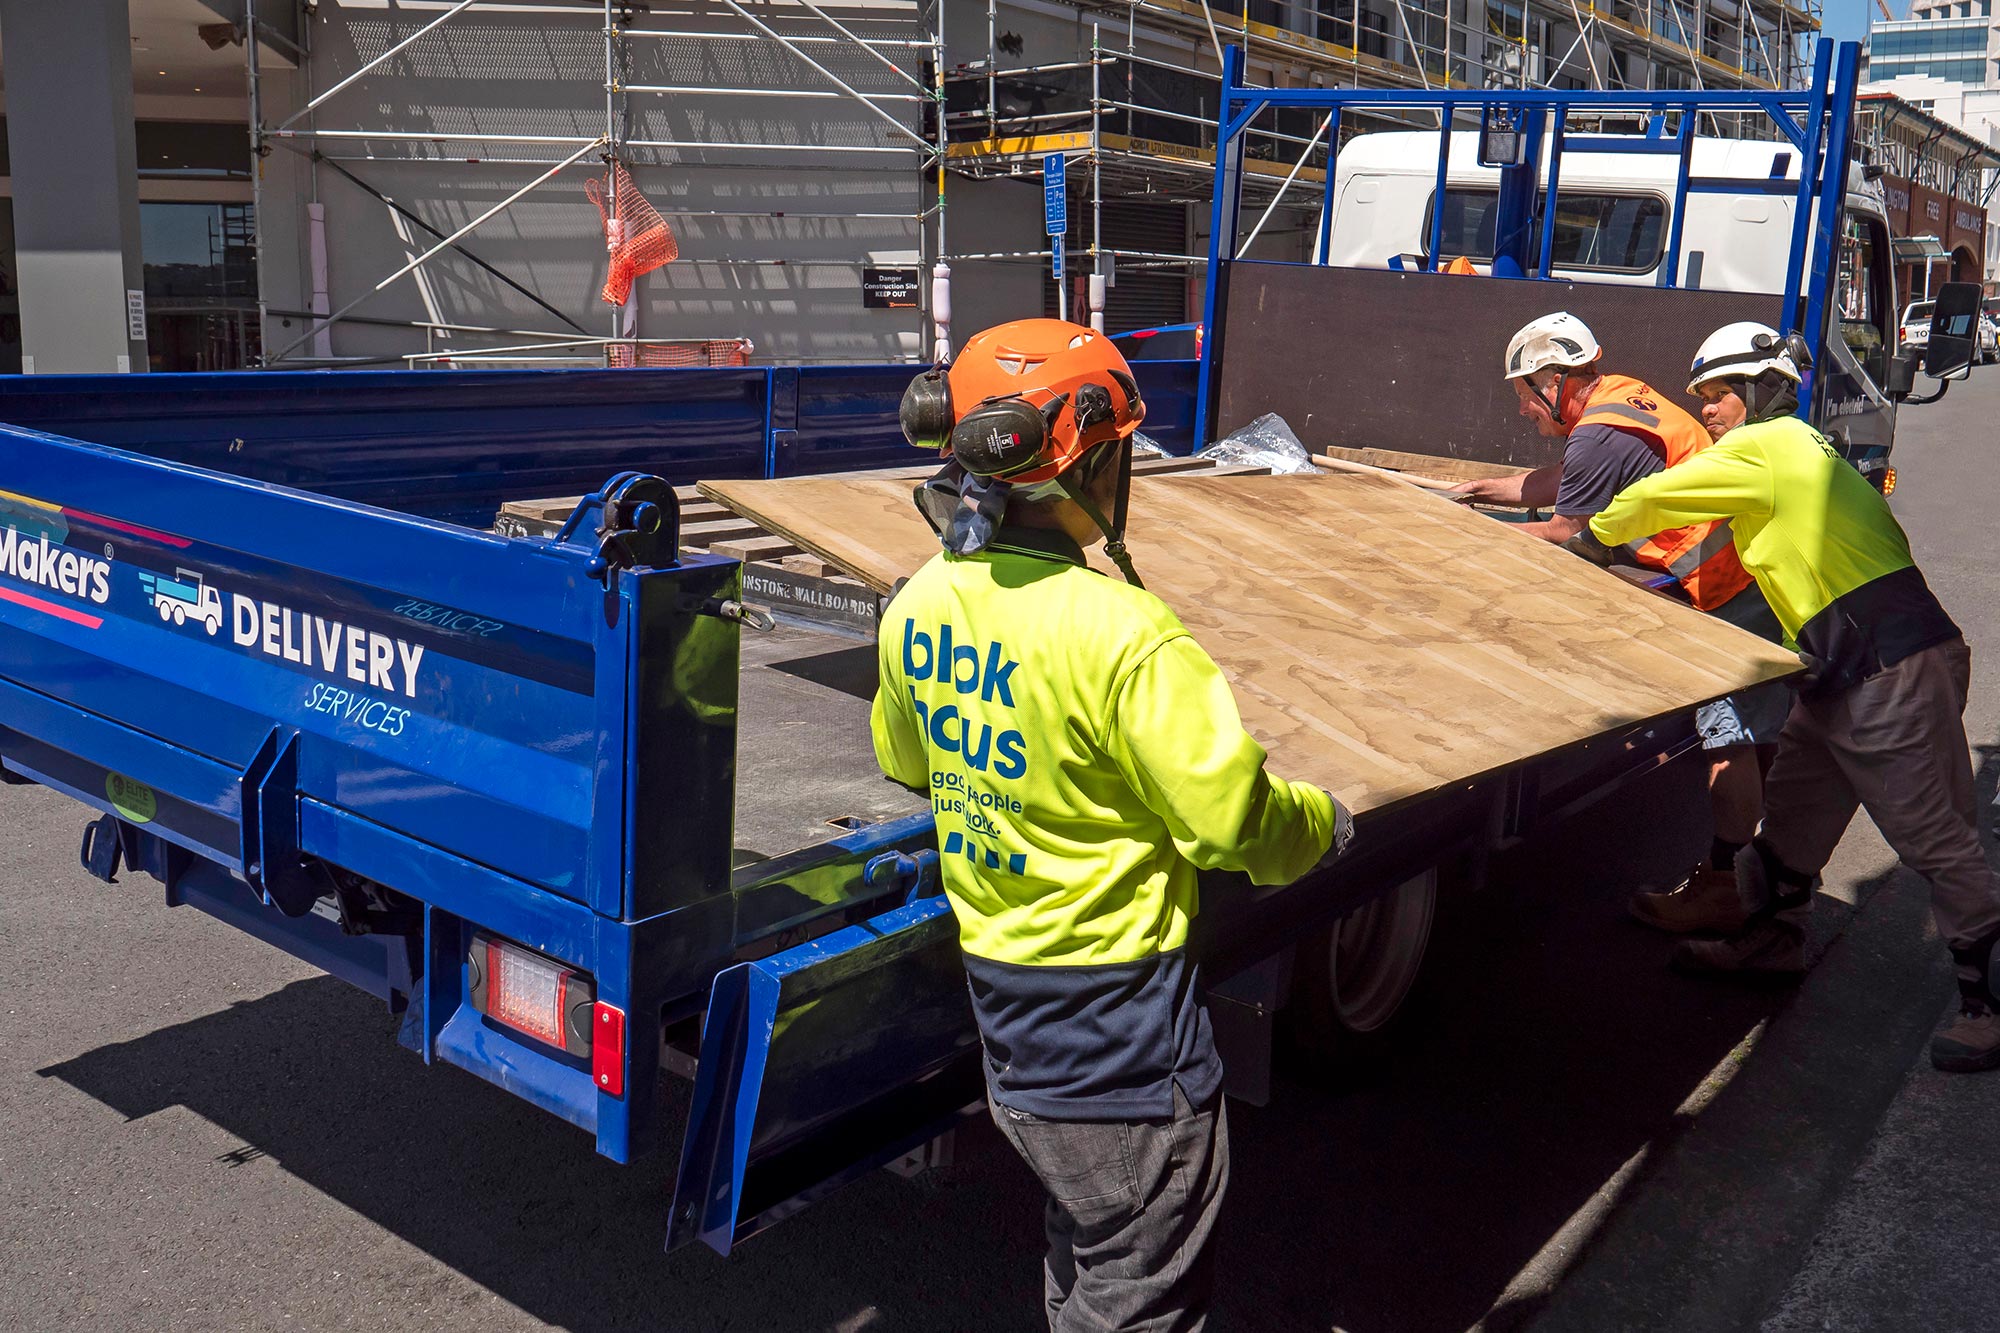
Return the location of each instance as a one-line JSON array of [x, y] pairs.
[[1954, 339]]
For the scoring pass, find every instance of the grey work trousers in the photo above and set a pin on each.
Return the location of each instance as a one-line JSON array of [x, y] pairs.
[[1894, 744], [1130, 1215]]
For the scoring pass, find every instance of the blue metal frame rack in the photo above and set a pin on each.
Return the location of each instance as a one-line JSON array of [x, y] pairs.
[[1817, 121]]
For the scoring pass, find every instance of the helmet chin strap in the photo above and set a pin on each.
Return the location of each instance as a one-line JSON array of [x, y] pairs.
[[1113, 528], [1768, 397], [1555, 408]]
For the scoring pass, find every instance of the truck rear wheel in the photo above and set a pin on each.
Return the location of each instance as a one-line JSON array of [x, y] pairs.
[[1354, 980]]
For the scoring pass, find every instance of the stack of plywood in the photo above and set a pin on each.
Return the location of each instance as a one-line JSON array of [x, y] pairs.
[[1383, 642]]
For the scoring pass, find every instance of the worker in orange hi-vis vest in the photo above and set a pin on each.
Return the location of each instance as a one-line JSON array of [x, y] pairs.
[[1617, 429]]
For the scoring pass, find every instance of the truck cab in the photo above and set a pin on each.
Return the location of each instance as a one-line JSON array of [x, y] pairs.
[[1614, 224]]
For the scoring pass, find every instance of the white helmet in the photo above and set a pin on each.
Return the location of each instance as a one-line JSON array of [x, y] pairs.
[[1744, 350], [1560, 340]]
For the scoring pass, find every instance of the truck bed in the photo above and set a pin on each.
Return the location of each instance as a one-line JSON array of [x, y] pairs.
[[803, 756]]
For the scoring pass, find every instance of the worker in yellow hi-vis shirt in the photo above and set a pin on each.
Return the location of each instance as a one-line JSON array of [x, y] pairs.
[[1877, 721], [1084, 758]]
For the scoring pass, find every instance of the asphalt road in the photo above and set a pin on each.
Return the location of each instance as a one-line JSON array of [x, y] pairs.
[[198, 1133]]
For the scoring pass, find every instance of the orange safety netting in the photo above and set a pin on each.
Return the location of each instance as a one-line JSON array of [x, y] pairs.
[[703, 352], [634, 232]]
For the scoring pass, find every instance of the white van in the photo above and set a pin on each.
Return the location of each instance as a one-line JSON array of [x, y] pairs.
[[1613, 221]]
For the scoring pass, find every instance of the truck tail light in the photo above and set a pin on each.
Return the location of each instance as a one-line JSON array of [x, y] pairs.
[[526, 992], [532, 994]]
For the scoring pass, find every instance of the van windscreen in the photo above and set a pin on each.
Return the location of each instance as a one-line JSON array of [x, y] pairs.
[[1619, 233]]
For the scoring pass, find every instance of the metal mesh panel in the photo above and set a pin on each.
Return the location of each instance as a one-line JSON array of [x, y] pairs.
[[682, 352]]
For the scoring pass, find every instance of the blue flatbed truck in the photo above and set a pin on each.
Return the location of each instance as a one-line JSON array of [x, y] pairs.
[[499, 782]]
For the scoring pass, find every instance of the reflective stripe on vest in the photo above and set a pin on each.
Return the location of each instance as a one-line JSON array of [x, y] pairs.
[[1703, 555], [1648, 421]]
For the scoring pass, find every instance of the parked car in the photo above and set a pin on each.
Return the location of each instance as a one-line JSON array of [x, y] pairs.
[[1165, 342], [1916, 331]]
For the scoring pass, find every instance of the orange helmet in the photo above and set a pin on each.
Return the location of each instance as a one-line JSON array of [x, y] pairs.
[[1031, 403], [1025, 401]]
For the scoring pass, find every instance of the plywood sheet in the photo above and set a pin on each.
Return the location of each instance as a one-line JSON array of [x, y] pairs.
[[1382, 642]]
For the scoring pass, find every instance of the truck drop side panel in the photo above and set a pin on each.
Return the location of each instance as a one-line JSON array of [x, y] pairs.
[[820, 1062], [457, 444], [441, 683], [473, 723]]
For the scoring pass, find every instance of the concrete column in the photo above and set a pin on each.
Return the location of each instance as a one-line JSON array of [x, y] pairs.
[[68, 69]]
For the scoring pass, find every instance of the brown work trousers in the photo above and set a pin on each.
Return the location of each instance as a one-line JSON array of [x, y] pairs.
[[1894, 745]]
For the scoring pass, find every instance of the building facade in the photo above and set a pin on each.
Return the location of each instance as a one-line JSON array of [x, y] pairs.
[[1932, 176], [1940, 71], [784, 145], [377, 182], [1125, 91]]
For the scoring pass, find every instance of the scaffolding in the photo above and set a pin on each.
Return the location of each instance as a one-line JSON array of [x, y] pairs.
[[1513, 43], [1134, 114], [1130, 123], [1134, 126], [867, 59]]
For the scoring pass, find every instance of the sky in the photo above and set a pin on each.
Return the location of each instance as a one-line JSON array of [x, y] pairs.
[[1847, 20]]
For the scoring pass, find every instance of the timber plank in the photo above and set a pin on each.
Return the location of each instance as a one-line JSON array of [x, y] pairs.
[[748, 549], [1382, 642], [726, 525], [1427, 465], [553, 510]]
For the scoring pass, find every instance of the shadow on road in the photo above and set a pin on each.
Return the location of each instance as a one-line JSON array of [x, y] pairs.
[[1726, 1216], [1557, 1046]]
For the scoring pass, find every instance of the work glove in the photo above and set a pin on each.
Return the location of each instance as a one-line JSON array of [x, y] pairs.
[[1818, 674], [1343, 828], [1585, 544]]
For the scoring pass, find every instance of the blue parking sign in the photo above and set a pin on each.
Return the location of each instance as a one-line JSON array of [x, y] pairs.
[[1055, 192]]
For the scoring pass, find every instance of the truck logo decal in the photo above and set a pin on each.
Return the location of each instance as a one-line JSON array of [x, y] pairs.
[[56, 609], [370, 659], [32, 553], [184, 597]]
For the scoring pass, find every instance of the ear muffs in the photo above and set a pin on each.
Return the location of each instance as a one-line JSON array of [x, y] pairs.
[[1004, 436], [1800, 352], [925, 414]]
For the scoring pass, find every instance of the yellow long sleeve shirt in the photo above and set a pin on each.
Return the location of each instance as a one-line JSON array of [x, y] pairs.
[[1084, 757], [1819, 539]]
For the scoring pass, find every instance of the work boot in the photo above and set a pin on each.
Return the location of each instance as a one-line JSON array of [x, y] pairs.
[[1970, 1042], [1706, 901], [1772, 948]]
